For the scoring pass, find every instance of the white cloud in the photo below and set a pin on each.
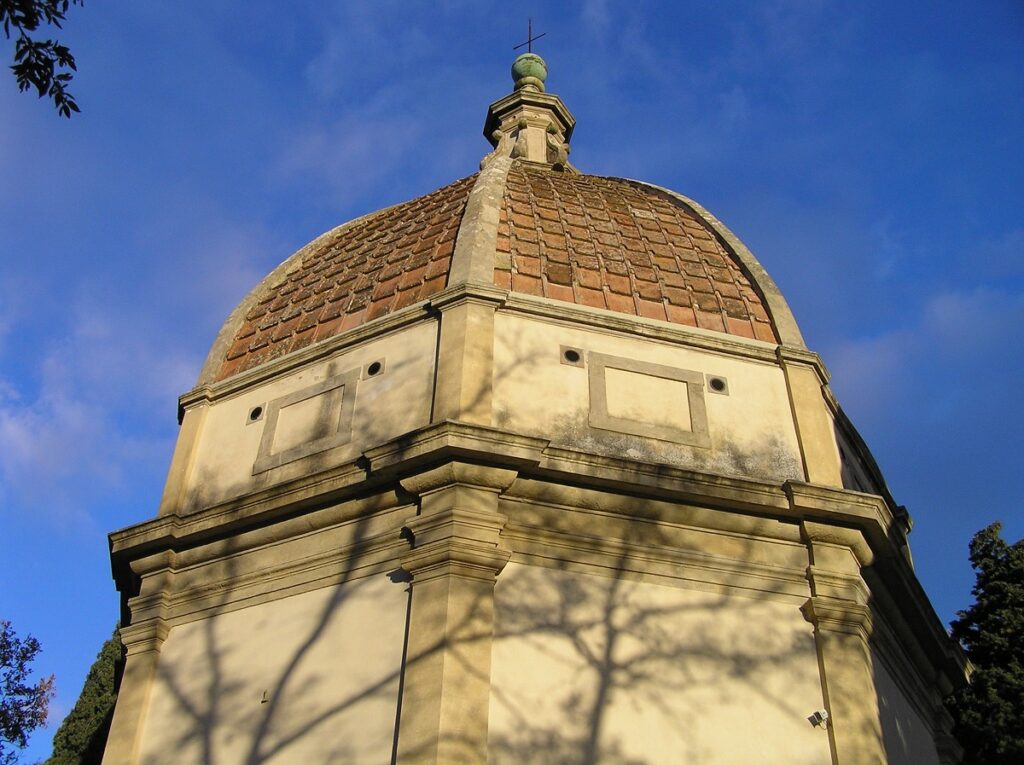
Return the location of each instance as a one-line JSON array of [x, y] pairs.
[[89, 418], [960, 343], [596, 17], [352, 155], [54, 451], [73, 433]]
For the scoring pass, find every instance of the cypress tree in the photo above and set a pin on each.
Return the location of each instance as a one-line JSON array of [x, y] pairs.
[[83, 734], [989, 712]]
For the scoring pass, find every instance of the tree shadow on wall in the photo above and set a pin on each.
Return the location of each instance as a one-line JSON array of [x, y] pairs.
[[249, 690], [632, 672], [606, 653], [261, 685]]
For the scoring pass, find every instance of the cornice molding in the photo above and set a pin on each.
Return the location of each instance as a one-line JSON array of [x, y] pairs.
[[381, 467], [489, 461], [456, 541], [144, 636], [839, 616], [486, 292]]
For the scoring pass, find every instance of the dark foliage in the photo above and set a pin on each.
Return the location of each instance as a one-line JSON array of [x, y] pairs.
[[989, 713], [22, 705], [83, 734], [45, 65]]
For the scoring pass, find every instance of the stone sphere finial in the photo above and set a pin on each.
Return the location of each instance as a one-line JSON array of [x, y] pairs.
[[529, 71]]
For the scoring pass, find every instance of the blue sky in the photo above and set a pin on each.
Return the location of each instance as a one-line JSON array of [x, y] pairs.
[[868, 154]]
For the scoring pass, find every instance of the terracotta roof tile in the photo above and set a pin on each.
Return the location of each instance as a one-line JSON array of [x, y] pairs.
[[628, 247], [393, 259], [601, 242]]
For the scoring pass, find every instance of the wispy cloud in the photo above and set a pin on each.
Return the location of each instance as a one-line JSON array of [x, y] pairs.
[[596, 18], [936, 355], [70, 431], [89, 412], [351, 156]]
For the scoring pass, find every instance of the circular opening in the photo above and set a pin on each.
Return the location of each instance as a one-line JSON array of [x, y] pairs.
[[255, 413], [373, 369], [717, 384], [571, 356]]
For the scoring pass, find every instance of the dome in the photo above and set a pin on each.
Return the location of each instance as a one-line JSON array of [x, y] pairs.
[[606, 243], [355, 273]]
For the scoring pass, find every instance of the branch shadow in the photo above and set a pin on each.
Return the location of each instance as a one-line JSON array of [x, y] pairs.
[[593, 661]]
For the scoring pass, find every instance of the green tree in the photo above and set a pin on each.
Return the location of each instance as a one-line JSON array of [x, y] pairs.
[[989, 712], [82, 736], [23, 704], [45, 65]]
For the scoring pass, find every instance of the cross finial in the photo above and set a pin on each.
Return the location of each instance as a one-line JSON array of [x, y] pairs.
[[529, 37]]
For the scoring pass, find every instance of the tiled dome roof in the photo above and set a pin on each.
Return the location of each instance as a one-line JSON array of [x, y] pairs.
[[621, 245], [528, 222], [351, 275], [601, 242]]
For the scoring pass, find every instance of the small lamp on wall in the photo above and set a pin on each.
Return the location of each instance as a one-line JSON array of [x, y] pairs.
[[819, 719]]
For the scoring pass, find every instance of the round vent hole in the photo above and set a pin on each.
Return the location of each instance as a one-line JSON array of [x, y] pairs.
[[571, 356], [374, 369], [255, 414], [717, 384]]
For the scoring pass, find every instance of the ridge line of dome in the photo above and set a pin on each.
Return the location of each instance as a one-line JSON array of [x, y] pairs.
[[215, 358], [477, 238], [216, 362], [775, 302]]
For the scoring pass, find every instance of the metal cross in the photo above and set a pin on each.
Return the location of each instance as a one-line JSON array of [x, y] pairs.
[[529, 37]]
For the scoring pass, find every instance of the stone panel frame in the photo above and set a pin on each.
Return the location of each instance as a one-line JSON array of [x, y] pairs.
[[698, 435], [340, 404]]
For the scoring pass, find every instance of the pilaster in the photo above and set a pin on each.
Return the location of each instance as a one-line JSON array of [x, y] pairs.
[[815, 430], [176, 486], [838, 609], [465, 362], [455, 558], [948, 748], [143, 639]]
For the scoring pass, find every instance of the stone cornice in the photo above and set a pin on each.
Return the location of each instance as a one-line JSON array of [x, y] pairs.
[[612, 322], [839, 616], [144, 636], [788, 353], [379, 468], [303, 506], [459, 474], [867, 512], [486, 292], [456, 542], [513, 102]]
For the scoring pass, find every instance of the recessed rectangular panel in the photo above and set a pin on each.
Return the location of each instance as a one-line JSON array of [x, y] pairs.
[[648, 400], [645, 398], [308, 421], [303, 421]]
